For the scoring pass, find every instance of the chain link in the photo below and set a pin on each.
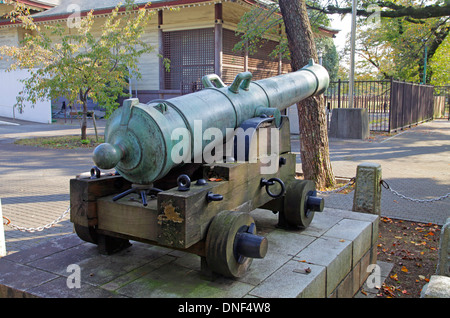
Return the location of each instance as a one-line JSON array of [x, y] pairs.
[[37, 229], [348, 184], [5, 219], [387, 187]]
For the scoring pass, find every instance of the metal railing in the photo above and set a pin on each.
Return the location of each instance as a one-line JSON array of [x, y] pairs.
[[371, 95], [391, 104]]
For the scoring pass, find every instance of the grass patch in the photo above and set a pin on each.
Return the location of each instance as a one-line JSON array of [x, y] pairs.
[[61, 142]]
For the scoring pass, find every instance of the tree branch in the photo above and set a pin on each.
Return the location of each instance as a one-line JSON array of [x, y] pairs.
[[395, 10]]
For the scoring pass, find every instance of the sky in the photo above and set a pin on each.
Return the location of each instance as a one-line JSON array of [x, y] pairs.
[[344, 26]]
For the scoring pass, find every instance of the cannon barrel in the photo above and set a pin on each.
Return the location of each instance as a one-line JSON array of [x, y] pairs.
[[139, 137]]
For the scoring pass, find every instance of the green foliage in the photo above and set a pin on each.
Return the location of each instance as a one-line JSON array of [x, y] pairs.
[[258, 24], [375, 53], [265, 22], [330, 57], [395, 47], [77, 62], [440, 64]]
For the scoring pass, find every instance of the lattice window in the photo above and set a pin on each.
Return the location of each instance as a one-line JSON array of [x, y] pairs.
[[191, 55], [233, 62], [260, 64]]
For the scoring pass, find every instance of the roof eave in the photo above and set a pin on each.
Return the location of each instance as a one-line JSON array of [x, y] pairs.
[[108, 10]]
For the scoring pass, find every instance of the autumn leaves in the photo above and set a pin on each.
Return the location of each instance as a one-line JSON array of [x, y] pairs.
[[413, 249]]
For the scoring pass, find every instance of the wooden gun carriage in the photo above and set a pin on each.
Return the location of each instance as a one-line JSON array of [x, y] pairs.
[[202, 208]]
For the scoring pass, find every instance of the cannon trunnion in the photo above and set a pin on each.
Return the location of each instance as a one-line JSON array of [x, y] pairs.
[[200, 207]]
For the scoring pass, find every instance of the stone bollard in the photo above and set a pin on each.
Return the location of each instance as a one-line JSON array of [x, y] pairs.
[[437, 287], [367, 197], [443, 267], [439, 284]]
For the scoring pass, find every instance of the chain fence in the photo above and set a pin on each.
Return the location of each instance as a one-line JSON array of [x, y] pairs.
[[350, 183], [36, 229], [389, 188]]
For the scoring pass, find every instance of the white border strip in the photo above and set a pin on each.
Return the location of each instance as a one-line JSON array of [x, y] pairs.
[[2, 234]]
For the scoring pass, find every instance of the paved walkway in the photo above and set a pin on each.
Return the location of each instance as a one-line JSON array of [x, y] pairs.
[[34, 187], [415, 163], [35, 182]]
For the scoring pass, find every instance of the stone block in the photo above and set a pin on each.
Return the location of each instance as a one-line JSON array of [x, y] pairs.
[[133, 275], [356, 279], [365, 262], [55, 245], [443, 267], [437, 287], [358, 232], [282, 246], [335, 254], [17, 277], [344, 214], [349, 123], [173, 281], [345, 288], [294, 279], [57, 288], [321, 223], [367, 197]]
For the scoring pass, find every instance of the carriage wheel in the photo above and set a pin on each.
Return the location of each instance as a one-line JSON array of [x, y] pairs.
[[231, 244], [301, 202], [87, 234]]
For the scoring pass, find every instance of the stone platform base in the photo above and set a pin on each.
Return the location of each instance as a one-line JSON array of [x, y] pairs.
[[328, 259]]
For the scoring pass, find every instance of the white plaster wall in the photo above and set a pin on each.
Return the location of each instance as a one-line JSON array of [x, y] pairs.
[[10, 86]]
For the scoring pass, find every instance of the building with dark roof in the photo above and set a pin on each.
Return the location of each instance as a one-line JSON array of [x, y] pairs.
[[198, 38]]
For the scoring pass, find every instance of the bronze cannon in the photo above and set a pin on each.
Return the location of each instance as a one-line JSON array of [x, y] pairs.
[[188, 170]]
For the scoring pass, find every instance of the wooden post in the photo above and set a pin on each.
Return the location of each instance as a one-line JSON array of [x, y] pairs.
[[2, 234], [246, 57], [162, 69], [339, 93], [218, 39]]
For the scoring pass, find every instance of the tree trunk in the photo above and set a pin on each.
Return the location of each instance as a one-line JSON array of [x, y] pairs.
[[316, 164]]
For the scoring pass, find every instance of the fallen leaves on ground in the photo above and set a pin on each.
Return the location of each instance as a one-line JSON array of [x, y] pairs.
[[412, 247]]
